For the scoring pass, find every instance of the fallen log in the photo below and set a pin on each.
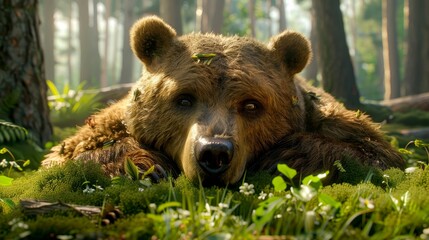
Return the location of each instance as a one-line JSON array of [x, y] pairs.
[[404, 104], [106, 215], [105, 95]]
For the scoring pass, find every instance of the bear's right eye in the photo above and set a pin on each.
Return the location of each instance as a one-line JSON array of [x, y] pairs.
[[185, 101]]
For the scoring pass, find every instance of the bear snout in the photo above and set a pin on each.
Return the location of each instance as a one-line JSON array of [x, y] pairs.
[[214, 154]]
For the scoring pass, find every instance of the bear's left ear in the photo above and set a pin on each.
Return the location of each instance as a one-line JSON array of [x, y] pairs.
[[292, 49], [150, 37]]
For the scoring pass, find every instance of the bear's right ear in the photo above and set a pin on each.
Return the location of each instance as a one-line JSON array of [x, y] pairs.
[[150, 37], [292, 49]]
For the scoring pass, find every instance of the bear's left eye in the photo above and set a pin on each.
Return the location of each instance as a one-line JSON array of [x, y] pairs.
[[251, 108], [185, 101]]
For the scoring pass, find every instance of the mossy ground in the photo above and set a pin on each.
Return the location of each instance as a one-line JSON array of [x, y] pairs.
[[396, 205]]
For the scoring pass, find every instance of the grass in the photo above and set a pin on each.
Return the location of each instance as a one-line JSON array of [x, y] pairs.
[[261, 206]]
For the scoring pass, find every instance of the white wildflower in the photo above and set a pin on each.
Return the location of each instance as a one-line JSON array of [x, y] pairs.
[[410, 169], [152, 206], [223, 206], [366, 203], [14, 164], [4, 163], [88, 190], [262, 195], [98, 187], [247, 189], [141, 189]]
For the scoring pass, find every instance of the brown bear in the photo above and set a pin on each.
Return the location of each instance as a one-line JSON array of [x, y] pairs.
[[213, 106]]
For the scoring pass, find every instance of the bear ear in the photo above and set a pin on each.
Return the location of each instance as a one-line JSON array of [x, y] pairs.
[[150, 37], [292, 49]]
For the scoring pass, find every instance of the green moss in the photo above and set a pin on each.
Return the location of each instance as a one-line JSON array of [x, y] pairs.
[[138, 226], [51, 227], [412, 118], [355, 173]]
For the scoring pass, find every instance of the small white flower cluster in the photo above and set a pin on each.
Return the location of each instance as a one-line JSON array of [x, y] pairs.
[[247, 189], [18, 225], [4, 164], [145, 183], [425, 234], [208, 217], [264, 195], [89, 190]]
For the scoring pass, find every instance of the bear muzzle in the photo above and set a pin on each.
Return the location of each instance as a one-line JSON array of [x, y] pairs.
[[214, 154]]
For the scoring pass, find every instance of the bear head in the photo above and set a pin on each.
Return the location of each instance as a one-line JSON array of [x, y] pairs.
[[214, 103]]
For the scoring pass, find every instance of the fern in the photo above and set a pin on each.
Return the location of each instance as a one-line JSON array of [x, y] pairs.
[[10, 132]]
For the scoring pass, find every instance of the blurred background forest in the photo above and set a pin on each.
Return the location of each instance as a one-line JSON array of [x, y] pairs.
[[364, 51], [87, 40]]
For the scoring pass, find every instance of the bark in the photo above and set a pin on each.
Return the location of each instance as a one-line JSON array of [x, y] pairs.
[[335, 62], [22, 74], [127, 65], [94, 51], [70, 45], [252, 18], [88, 40], [211, 15], [48, 38], [170, 12], [413, 62], [425, 50], [404, 104], [312, 69], [282, 15], [105, 61], [390, 50]]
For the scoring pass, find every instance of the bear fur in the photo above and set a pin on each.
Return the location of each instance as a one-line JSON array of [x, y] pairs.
[[212, 107]]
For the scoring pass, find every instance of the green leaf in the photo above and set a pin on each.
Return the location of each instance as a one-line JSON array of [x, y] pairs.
[[315, 181], [149, 171], [8, 202], [287, 171], [26, 163], [131, 169], [53, 88], [279, 184], [3, 150], [405, 151], [419, 143], [328, 200], [266, 210], [166, 205], [5, 181]]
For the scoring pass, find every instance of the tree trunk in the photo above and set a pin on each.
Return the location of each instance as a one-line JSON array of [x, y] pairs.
[[252, 18], [94, 50], [48, 38], [105, 61], [312, 69], [170, 11], [336, 65], [390, 50], [413, 62], [22, 75], [425, 50], [212, 15], [282, 15], [88, 39], [69, 44], [127, 55]]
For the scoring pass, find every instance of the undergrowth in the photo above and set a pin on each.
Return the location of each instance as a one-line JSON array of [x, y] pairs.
[[395, 207]]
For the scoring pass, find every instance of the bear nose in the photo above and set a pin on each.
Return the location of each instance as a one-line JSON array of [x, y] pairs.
[[214, 154]]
